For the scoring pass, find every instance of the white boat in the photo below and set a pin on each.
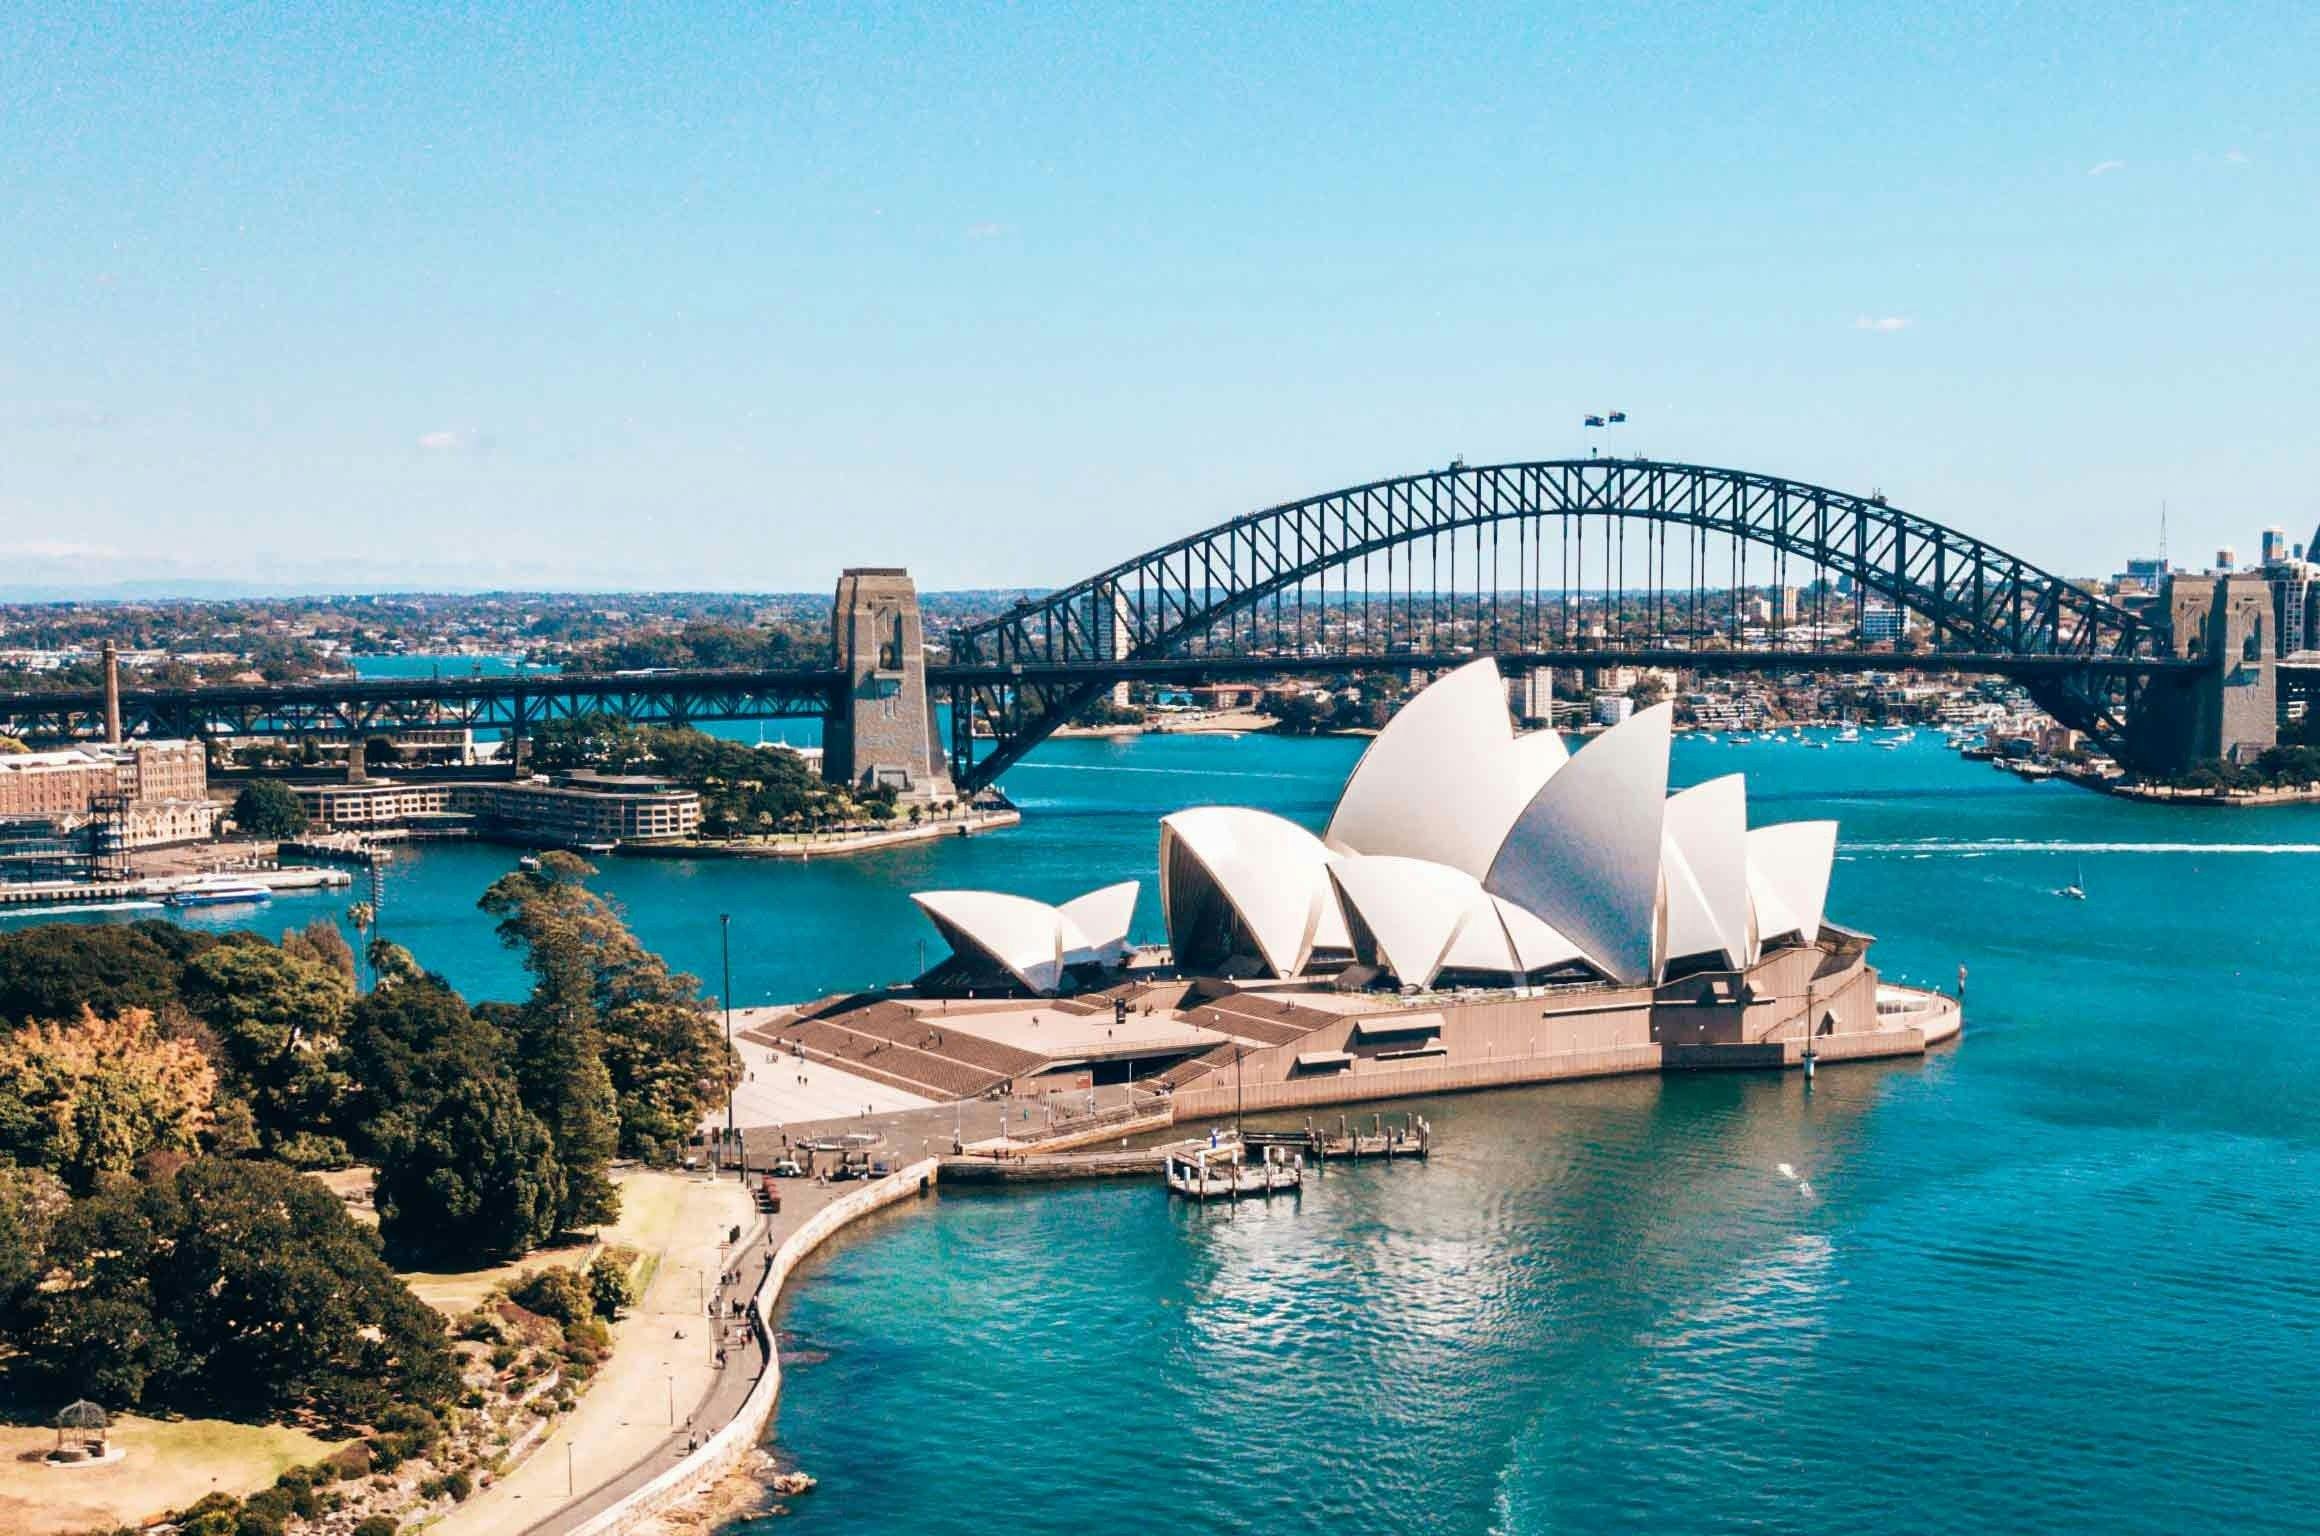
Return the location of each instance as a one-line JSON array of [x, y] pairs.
[[2076, 890], [218, 896]]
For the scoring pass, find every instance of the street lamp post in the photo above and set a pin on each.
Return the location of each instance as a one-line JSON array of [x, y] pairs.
[[732, 1082]]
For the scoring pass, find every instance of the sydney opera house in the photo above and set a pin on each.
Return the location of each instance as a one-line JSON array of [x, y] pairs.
[[1482, 907]]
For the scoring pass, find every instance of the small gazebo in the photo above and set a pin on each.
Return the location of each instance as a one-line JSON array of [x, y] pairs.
[[82, 1426]]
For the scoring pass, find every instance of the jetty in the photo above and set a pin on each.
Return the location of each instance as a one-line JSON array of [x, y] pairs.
[[153, 891], [1260, 1162], [1223, 1171], [1413, 1137]]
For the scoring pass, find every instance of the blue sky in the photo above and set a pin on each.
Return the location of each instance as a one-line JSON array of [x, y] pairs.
[[697, 295]]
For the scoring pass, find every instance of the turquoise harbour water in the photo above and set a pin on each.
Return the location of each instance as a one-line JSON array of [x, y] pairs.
[[2064, 1277]]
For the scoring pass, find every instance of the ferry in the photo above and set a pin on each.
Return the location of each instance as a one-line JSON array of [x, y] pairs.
[[218, 896]]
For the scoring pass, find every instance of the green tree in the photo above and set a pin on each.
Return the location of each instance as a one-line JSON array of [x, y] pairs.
[[268, 808], [559, 1292], [323, 943], [593, 740], [661, 1048], [278, 1020], [31, 1201], [476, 1179], [409, 1042], [559, 1047], [609, 1284], [234, 1288], [55, 970]]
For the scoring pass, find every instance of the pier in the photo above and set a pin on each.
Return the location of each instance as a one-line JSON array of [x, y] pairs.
[[1414, 1137], [59, 896], [1222, 1171]]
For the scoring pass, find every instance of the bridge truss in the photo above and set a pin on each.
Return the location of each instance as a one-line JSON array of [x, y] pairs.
[[1598, 560], [354, 709]]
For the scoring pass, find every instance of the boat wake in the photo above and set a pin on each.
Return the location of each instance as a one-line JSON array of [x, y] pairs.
[[1174, 773], [1937, 847]]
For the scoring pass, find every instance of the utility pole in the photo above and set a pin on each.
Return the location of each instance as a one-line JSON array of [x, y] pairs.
[[732, 1082]]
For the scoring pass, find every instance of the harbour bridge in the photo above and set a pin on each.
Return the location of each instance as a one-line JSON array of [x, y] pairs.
[[1556, 563]]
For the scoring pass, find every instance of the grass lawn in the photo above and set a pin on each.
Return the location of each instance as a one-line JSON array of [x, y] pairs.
[[168, 1465], [649, 1203]]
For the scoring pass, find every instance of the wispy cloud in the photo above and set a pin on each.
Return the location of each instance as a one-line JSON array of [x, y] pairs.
[[1885, 323], [445, 441], [57, 549], [2105, 167], [987, 230], [2235, 157]]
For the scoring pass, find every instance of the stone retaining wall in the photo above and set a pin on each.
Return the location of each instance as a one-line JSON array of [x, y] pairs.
[[725, 1449], [1411, 1082]]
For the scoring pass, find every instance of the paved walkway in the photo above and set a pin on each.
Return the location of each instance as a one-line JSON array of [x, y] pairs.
[[632, 1421], [909, 1134], [782, 1090]]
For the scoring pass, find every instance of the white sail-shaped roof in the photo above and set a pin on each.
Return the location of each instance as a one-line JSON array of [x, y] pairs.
[[1584, 856], [1707, 830], [1788, 874], [1413, 910], [1422, 918], [1535, 946], [1096, 925], [1433, 781], [1537, 757], [1021, 936], [1269, 876], [1030, 940], [1690, 928]]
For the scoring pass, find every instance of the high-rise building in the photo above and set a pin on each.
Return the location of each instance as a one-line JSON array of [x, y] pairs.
[[1532, 694], [1884, 623]]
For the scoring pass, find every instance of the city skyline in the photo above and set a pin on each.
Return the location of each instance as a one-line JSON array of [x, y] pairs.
[[729, 299]]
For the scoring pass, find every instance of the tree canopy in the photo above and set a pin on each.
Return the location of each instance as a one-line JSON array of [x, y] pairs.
[[478, 1177], [237, 1288], [269, 808], [91, 1096], [278, 1017]]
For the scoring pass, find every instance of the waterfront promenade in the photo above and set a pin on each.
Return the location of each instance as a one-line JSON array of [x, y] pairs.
[[661, 1385]]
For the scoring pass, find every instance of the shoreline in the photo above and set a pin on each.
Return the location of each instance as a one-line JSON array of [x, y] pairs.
[[806, 845], [2213, 799], [676, 1494]]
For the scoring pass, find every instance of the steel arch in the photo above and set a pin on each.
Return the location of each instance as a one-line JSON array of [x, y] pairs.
[[1979, 598]]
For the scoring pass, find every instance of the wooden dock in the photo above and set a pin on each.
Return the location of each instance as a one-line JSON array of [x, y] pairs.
[[1220, 1166], [1412, 1137], [1223, 1171]]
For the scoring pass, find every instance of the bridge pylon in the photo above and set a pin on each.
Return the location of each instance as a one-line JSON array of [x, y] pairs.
[[883, 730], [2229, 708]]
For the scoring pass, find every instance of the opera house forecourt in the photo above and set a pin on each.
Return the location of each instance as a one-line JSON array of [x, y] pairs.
[[1483, 907]]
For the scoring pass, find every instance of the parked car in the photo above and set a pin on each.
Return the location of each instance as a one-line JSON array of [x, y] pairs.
[[788, 1168]]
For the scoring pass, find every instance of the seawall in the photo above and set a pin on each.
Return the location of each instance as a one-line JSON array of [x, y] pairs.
[[725, 1449]]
